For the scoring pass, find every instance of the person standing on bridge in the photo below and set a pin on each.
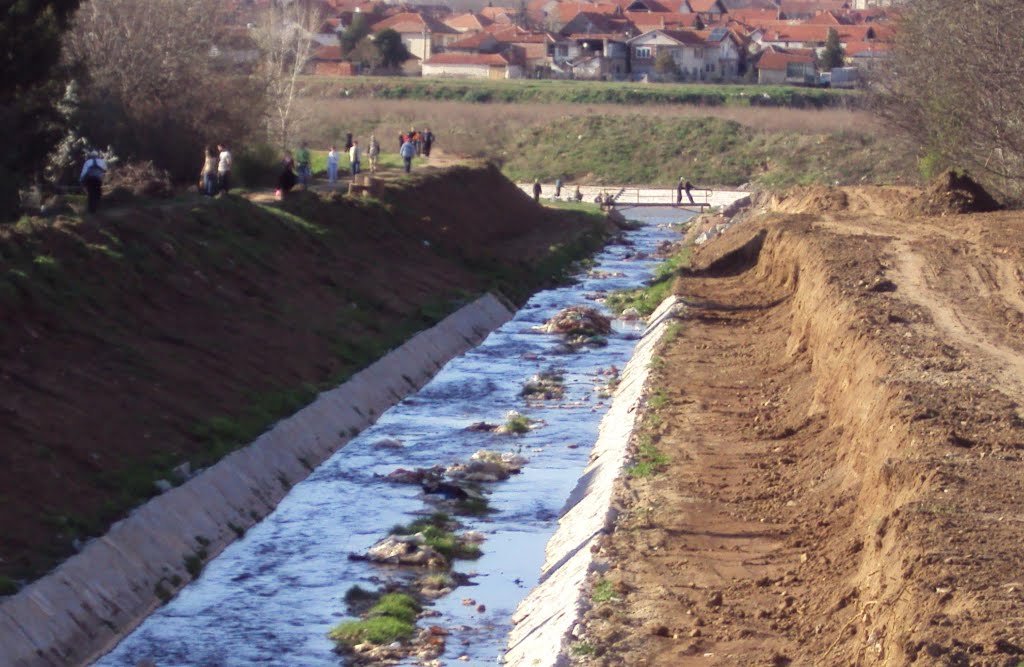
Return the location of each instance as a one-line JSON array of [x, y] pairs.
[[681, 187]]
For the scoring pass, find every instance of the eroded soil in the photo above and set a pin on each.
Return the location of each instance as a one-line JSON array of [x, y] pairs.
[[840, 409]]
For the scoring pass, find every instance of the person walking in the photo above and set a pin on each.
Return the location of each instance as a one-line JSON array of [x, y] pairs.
[[208, 176], [353, 158], [304, 161], [93, 171], [333, 158], [286, 179], [558, 187], [373, 152], [536, 190], [408, 152], [223, 168], [428, 141]]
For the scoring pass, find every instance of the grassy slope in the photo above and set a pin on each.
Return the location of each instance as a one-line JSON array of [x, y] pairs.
[[157, 334], [709, 151], [578, 92]]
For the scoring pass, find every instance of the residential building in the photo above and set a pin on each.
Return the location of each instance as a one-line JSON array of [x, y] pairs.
[[782, 66], [422, 35], [493, 66]]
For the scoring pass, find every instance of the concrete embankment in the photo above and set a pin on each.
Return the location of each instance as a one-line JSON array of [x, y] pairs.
[[545, 619], [97, 596]]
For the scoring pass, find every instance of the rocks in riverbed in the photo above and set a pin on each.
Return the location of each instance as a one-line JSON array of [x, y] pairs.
[[578, 321], [404, 550], [414, 476], [482, 427], [546, 385]]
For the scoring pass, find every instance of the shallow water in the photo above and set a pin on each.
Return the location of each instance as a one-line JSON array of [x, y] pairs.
[[271, 597]]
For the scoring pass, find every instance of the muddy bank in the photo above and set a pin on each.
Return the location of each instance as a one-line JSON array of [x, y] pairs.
[[841, 469], [159, 334]]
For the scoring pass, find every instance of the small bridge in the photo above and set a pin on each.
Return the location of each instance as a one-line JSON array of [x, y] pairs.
[[639, 197]]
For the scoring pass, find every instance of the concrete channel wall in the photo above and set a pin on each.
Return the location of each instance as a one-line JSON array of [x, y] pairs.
[[85, 606], [545, 619]]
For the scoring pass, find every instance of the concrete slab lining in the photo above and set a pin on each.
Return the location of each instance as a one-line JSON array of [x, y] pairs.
[[81, 609], [545, 619]]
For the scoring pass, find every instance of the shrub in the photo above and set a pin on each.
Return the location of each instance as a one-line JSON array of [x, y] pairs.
[[257, 166], [396, 605], [374, 630]]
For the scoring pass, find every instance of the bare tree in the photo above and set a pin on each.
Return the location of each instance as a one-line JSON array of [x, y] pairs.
[[152, 86], [285, 37], [953, 84]]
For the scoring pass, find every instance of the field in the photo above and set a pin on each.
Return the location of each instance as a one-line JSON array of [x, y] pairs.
[[578, 92], [611, 143]]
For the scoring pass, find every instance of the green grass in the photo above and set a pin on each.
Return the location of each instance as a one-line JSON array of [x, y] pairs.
[[603, 592], [649, 460], [647, 299], [710, 152], [396, 605], [580, 92], [385, 161], [392, 618], [438, 536], [583, 648], [517, 424], [378, 630], [583, 206], [658, 400]]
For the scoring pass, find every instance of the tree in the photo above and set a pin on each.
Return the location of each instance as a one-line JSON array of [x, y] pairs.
[[30, 85], [666, 66], [356, 31], [285, 37], [958, 92], [390, 47], [833, 54], [151, 85]]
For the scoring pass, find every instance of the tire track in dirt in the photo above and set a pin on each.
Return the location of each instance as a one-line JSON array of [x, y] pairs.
[[961, 329]]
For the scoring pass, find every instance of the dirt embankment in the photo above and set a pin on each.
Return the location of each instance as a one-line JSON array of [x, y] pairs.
[[841, 415], [153, 335]]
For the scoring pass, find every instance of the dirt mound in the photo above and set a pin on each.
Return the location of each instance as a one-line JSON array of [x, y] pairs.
[[841, 430], [813, 199], [952, 193]]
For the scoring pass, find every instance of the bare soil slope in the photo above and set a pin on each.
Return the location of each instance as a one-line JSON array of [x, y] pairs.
[[160, 333], [841, 412]]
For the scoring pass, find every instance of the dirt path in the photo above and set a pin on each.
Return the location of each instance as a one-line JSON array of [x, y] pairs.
[[842, 425]]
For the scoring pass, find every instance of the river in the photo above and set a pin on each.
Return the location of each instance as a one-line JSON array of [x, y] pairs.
[[271, 597]]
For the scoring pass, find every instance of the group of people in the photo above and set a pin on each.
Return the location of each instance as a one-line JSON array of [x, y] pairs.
[[421, 141], [537, 190], [682, 187], [355, 157], [215, 178], [296, 168]]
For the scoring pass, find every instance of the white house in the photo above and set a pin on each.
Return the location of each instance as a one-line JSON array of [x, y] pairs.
[[471, 66], [687, 48]]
